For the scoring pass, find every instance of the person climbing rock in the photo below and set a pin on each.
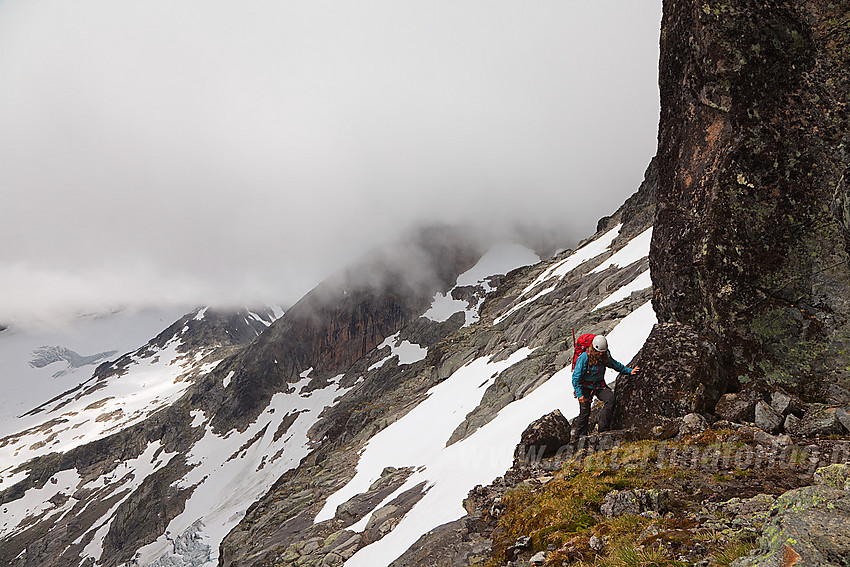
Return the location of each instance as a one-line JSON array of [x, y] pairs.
[[589, 381]]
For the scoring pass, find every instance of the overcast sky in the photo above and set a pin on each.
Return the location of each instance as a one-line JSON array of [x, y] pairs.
[[208, 151]]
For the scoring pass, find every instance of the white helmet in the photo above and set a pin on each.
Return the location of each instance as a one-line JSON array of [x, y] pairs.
[[600, 343]]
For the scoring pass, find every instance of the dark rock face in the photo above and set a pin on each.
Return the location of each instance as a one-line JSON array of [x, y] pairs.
[[752, 231], [545, 436], [689, 379]]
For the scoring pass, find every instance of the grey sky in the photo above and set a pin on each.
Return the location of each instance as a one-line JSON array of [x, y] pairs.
[[220, 151]]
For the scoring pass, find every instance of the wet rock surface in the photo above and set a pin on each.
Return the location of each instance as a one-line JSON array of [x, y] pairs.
[[767, 418]]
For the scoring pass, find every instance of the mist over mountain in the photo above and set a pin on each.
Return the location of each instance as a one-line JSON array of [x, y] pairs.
[[218, 154]]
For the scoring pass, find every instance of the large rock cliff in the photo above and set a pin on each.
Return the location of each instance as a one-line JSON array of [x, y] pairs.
[[750, 248]]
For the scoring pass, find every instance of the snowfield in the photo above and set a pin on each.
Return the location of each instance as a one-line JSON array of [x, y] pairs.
[[148, 385]]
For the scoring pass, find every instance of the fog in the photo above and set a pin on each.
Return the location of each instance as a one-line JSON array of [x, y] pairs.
[[221, 152]]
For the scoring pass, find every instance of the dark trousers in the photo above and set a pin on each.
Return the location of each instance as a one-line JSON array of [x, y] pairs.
[[607, 397]]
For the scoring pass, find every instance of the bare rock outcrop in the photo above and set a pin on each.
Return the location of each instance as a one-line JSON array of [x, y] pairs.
[[545, 436], [689, 378]]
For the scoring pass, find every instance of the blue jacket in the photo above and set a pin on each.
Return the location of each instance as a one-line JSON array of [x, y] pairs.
[[592, 377]]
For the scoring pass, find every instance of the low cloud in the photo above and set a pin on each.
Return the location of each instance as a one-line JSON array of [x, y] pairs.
[[218, 152]]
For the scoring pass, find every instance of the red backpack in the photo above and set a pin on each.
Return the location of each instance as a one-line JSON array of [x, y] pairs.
[[581, 345]]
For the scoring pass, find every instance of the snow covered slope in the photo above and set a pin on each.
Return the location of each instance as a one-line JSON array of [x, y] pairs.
[[39, 364], [115, 399]]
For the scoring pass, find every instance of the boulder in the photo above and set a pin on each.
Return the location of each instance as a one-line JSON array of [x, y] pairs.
[[545, 436], [783, 440], [736, 407], [693, 424], [768, 419], [681, 373], [820, 420], [523, 542], [538, 558], [843, 415], [764, 438], [808, 526], [596, 543], [785, 403], [739, 513], [792, 424], [634, 502], [837, 395], [332, 560], [667, 430]]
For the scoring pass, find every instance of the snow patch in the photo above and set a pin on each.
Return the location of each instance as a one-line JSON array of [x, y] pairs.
[[641, 282], [198, 418], [407, 352], [444, 306], [636, 249], [523, 303], [499, 260], [560, 269], [627, 338], [587, 252]]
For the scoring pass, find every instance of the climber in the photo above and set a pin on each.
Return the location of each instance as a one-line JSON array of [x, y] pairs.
[[589, 381]]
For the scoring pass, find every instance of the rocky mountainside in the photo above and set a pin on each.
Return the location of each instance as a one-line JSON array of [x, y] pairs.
[[228, 437]]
